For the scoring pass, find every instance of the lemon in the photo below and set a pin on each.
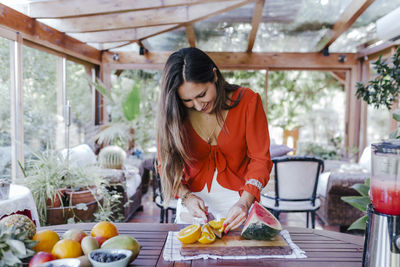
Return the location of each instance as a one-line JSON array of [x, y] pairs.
[[207, 235], [206, 238], [189, 234], [216, 224]]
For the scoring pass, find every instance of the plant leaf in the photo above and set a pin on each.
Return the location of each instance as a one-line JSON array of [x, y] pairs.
[[359, 224], [131, 105], [362, 189], [17, 247], [396, 114], [10, 259], [358, 202]]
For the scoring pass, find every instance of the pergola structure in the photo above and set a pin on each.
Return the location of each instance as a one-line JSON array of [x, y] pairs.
[[96, 33]]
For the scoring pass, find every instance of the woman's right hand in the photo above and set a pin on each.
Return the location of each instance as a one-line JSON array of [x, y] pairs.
[[196, 207]]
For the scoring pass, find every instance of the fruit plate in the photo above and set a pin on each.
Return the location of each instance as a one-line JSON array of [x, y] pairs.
[[113, 252], [61, 262]]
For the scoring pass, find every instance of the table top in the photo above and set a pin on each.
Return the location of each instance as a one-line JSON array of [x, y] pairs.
[[323, 248]]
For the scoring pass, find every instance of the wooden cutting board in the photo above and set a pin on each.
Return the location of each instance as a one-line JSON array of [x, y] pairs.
[[233, 244]]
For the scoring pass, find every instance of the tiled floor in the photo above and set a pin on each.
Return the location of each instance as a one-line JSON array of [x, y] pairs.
[[151, 214]]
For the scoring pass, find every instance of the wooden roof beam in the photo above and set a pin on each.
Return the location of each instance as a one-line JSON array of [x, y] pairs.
[[134, 19], [347, 18], [340, 76], [191, 35], [39, 33], [75, 8], [258, 11], [240, 60]]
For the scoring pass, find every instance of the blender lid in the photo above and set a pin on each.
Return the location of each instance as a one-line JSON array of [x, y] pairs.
[[391, 146]]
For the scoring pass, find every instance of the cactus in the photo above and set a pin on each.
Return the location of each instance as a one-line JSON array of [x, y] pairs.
[[112, 157]]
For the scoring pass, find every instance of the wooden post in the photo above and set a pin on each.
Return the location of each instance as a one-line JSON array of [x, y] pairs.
[[61, 100], [105, 76], [17, 110], [364, 107], [266, 92]]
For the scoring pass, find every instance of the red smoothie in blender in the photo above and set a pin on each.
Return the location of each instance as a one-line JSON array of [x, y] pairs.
[[385, 196]]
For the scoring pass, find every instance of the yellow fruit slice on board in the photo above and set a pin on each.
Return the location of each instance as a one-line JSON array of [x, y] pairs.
[[216, 224], [189, 234], [207, 229], [206, 238]]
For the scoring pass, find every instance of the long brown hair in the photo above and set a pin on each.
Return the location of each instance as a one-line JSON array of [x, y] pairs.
[[185, 65]]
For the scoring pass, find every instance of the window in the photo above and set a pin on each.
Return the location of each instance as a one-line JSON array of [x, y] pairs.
[[5, 108], [39, 100], [79, 95]]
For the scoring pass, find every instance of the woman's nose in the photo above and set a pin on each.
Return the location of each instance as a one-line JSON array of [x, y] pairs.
[[197, 105]]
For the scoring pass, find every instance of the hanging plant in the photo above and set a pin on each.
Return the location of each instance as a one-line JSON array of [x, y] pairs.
[[385, 88]]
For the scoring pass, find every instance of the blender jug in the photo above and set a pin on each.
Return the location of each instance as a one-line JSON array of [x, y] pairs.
[[385, 179], [382, 237]]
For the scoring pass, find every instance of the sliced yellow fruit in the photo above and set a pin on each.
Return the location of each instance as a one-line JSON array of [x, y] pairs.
[[217, 224], [207, 229], [206, 238], [189, 234]]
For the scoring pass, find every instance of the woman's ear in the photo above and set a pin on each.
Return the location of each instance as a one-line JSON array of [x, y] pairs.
[[215, 74]]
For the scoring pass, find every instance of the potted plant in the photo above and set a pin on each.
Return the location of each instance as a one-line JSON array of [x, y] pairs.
[[383, 90], [123, 107], [56, 184]]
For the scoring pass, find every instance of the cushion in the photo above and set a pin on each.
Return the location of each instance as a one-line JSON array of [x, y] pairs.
[[365, 159], [279, 150], [81, 155]]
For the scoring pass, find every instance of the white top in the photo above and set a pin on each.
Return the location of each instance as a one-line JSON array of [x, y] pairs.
[[219, 200]]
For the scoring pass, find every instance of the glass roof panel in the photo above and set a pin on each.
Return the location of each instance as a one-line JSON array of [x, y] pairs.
[[364, 29], [133, 47], [228, 31], [296, 26], [169, 41]]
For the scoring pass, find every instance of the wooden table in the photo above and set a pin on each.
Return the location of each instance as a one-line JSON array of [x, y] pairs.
[[323, 248]]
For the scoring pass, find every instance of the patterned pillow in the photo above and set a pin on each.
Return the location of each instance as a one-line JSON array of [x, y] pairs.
[[279, 150]]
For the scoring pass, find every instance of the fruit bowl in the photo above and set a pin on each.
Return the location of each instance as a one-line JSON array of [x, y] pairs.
[[105, 257], [61, 262]]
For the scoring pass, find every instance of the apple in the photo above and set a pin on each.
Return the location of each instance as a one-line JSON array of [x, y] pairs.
[[100, 240], [41, 257], [74, 234]]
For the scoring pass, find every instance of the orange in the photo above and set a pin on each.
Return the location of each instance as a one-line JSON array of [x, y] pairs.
[[189, 234], [67, 248], [47, 239], [104, 229], [216, 224]]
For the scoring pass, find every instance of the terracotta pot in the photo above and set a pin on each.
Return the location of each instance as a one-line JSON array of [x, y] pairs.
[[82, 196], [60, 215], [56, 201]]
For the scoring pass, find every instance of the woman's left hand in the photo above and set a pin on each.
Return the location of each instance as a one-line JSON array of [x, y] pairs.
[[238, 213]]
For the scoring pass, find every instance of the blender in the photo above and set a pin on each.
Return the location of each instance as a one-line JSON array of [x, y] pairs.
[[382, 238]]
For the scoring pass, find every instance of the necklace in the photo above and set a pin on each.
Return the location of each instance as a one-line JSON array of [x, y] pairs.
[[209, 141]]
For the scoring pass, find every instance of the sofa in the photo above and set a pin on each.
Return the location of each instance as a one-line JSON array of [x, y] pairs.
[[335, 182]]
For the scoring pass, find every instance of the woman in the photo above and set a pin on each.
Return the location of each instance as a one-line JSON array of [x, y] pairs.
[[213, 141]]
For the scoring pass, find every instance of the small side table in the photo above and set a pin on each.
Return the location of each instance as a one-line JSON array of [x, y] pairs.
[[20, 201]]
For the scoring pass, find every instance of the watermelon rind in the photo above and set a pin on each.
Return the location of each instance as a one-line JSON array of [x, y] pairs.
[[257, 229]]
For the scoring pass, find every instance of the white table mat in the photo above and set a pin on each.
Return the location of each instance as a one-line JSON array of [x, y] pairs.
[[173, 246]]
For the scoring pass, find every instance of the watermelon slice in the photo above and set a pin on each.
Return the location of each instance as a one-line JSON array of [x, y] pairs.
[[260, 224]]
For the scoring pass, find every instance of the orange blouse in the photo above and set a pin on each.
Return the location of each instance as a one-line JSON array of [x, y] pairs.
[[241, 154]]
